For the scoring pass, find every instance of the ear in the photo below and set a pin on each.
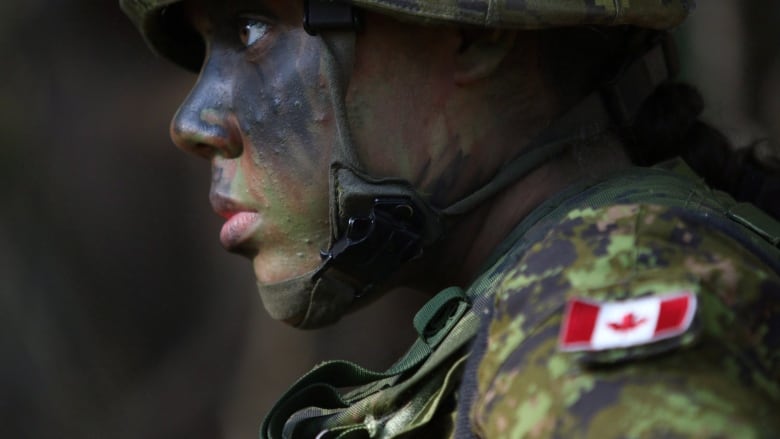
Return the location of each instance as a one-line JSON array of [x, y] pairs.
[[481, 52]]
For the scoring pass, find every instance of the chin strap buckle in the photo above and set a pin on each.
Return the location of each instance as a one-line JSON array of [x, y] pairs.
[[377, 244], [325, 15], [638, 79]]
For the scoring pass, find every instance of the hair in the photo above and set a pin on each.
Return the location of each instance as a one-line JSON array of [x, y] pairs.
[[667, 124]]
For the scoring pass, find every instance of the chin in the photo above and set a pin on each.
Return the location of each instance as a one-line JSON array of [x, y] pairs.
[[268, 272]]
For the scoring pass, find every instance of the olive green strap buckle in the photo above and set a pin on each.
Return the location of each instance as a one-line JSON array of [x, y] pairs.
[[316, 397], [322, 15], [437, 318]]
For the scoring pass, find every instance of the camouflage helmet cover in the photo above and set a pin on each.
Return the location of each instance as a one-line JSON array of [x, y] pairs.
[[172, 39]]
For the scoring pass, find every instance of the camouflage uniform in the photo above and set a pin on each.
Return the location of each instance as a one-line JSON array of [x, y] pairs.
[[647, 233], [642, 233], [720, 378]]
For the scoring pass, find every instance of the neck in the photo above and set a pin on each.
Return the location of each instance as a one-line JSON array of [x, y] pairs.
[[460, 261]]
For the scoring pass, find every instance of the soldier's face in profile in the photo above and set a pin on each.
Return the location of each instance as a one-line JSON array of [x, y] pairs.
[[260, 112]]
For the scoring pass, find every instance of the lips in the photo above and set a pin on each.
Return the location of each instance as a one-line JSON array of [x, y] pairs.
[[241, 225], [238, 229]]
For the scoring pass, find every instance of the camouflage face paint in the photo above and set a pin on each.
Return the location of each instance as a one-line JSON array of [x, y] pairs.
[[260, 113], [401, 85], [414, 116]]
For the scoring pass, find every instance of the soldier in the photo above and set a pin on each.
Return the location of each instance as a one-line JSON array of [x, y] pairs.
[[482, 151]]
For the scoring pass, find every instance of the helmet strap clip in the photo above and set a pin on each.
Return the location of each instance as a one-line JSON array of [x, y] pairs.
[[377, 243], [324, 15], [625, 93]]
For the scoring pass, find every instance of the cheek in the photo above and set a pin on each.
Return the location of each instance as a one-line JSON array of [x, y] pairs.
[[398, 118], [286, 104], [290, 132]]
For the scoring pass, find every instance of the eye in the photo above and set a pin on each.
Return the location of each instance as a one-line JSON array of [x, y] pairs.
[[251, 31]]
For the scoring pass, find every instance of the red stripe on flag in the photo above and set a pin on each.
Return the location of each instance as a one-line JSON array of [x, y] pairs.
[[672, 314], [580, 322]]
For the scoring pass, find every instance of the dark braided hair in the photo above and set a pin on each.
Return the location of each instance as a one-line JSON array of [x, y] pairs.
[[668, 125]]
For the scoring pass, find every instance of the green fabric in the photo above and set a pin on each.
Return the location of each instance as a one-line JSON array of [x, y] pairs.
[[315, 404], [538, 14], [757, 220], [648, 232], [410, 395], [428, 372]]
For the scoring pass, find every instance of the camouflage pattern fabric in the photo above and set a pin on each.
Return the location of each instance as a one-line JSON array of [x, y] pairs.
[[721, 378], [168, 34], [539, 14], [643, 233]]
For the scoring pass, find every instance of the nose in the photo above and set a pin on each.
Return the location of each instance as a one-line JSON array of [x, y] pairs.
[[204, 125]]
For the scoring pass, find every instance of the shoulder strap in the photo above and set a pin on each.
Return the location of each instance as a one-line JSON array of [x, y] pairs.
[[317, 405], [674, 184], [670, 183]]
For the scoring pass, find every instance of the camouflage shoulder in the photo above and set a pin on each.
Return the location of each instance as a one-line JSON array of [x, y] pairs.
[[717, 375]]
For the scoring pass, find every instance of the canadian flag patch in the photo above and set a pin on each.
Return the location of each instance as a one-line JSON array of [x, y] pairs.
[[594, 326]]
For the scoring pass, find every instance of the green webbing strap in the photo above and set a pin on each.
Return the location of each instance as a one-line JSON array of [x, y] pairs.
[[745, 214], [683, 188], [451, 302], [584, 120], [319, 388], [511, 173], [679, 188], [428, 411], [756, 220], [315, 398]]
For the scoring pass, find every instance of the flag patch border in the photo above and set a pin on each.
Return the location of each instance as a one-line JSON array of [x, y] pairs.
[[682, 324]]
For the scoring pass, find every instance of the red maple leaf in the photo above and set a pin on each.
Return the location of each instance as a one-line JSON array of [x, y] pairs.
[[628, 323]]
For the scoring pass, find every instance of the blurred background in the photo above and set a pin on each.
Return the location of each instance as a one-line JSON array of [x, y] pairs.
[[120, 314]]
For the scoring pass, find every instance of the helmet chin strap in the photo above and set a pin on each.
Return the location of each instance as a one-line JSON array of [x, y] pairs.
[[379, 224]]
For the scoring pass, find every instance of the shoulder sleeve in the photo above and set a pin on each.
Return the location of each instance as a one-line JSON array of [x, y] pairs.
[[719, 377]]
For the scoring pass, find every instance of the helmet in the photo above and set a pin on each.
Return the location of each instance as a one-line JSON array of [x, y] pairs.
[[169, 36], [379, 224]]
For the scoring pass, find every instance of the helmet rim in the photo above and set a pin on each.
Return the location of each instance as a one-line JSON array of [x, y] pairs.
[[166, 32]]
